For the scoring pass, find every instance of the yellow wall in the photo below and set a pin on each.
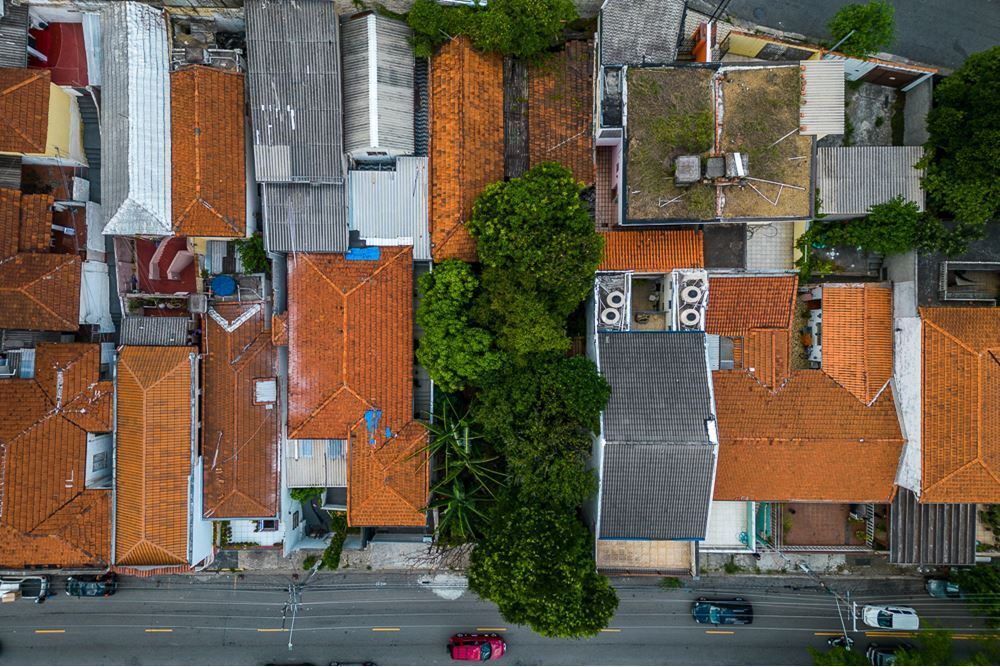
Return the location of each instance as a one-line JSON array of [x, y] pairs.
[[65, 134], [742, 44]]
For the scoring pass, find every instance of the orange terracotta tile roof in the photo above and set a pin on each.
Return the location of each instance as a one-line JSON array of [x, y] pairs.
[[388, 482], [737, 304], [208, 152], [279, 329], [239, 436], [351, 353], [153, 455], [466, 142], [561, 110], [38, 291], [857, 338], [24, 110], [652, 250], [48, 518], [767, 355], [809, 441], [960, 443]]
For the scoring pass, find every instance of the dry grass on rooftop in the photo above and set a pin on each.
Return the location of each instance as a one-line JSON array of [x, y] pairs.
[[761, 106], [670, 113]]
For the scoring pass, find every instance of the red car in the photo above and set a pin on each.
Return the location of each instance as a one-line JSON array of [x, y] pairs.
[[477, 648]]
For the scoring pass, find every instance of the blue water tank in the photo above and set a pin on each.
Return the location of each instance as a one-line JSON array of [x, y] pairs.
[[223, 286]]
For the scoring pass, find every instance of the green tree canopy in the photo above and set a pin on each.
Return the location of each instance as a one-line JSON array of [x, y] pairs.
[[536, 563], [454, 352], [522, 28], [963, 152], [838, 655], [873, 24], [981, 587], [537, 244]]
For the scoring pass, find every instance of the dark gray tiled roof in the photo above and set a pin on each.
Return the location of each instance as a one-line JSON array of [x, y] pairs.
[[299, 217], [293, 62], [154, 331], [656, 491], [637, 32], [659, 387], [931, 533], [14, 36]]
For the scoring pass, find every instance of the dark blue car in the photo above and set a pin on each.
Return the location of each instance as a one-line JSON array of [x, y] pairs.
[[736, 611]]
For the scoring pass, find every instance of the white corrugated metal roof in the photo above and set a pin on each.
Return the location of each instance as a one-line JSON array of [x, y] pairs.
[[135, 121], [852, 179], [390, 207], [822, 105]]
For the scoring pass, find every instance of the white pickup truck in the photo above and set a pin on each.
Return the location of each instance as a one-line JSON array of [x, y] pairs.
[[29, 588]]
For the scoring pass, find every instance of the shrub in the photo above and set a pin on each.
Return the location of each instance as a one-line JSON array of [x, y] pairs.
[[536, 563], [670, 583], [873, 25], [308, 562], [306, 495], [252, 254], [454, 352], [980, 585], [963, 152], [331, 555]]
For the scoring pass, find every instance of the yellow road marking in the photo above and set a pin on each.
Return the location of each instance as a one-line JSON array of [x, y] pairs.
[[720, 632], [385, 629], [611, 630], [893, 635], [491, 629], [49, 632], [159, 630], [828, 634], [271, 630]]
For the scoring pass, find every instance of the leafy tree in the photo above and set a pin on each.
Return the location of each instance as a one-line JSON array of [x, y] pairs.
[[550, 465], [963, 152], [890, 228], [522, 28], [873, 25], [838, 655], [331, 555], [536, 564], [539, 251], [981, 585], [454, 352], [934, 647], [306, 495]]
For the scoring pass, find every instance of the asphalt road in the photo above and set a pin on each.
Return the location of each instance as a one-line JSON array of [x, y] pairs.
[[226, 621], [942, 33]]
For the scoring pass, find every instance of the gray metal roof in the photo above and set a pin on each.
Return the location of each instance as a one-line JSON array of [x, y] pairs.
[[378, 85], [10, 172], [154, 331], [852, 179], [135, 120], [299, 217], [931, 533], [660, 390], [637, 32], [14, 35], [656, 491], [390, 207], [293, 61]]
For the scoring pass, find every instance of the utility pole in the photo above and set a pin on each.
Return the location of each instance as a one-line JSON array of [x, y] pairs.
[[294, 601]]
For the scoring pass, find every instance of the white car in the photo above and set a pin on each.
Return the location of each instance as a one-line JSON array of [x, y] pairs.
[[890, 617]]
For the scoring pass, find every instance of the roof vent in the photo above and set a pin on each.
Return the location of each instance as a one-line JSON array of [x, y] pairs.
[[691, 294]]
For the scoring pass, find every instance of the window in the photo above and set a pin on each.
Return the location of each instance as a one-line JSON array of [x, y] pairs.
[[266, 526], [335, 449], [100, 461], [295, 520], [305, 449]]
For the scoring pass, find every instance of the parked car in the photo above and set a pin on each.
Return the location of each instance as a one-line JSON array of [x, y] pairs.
[[736, 611], [890, 617], [30, 588], [880, 654], [477, 647], [99, 586], [942, 588]]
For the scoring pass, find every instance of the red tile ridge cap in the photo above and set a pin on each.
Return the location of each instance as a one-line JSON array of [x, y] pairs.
[[974, 462]]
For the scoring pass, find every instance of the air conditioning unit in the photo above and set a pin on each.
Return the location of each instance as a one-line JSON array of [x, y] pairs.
[[690, 318], [615, 299], [692, 293], [611, 316]]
